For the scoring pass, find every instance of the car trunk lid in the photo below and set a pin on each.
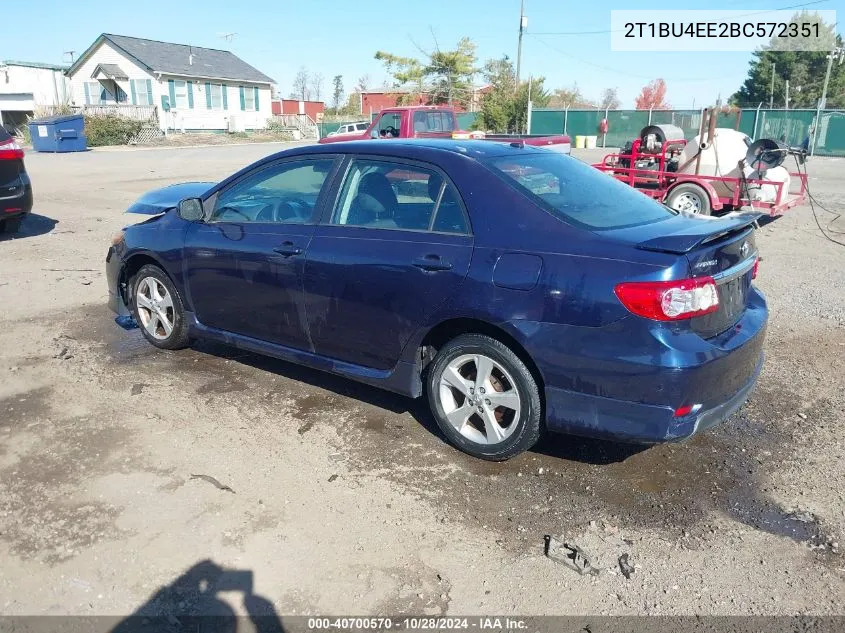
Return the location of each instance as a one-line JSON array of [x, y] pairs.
[[721, 248], [729, 260], [684, 232]]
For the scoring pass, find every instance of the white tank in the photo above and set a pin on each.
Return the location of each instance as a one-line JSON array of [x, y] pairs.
[[768, 193], [720, 158]]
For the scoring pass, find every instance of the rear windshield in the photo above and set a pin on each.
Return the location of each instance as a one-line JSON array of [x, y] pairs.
[[434, 121], [579, 193], [4, 135]]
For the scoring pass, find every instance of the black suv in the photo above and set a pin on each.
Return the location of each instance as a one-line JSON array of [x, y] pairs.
[[15, 188]]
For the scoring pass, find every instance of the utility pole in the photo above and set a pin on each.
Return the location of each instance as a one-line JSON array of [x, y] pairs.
[[523, 22], [786, 98], [528, 112], [772, 89], [837, 51]]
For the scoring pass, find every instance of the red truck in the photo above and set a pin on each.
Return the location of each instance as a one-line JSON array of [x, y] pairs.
[[439, 122]]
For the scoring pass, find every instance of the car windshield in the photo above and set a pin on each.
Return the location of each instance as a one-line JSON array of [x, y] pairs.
[[578, 192]]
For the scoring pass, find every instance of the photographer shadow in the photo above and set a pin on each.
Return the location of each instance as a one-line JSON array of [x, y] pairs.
[[192, 603]]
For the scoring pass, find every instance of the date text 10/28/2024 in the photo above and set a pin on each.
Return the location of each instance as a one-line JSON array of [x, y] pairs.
[[481, 623]]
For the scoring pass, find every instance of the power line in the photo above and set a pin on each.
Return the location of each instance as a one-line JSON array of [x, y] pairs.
[[604, 31], [617, 70]]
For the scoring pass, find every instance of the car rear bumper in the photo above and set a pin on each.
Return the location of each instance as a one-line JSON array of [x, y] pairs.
[[626, 380], [18, 205], [594, 416]]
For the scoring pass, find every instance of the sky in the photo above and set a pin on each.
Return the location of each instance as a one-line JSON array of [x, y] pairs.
[[337, 37]]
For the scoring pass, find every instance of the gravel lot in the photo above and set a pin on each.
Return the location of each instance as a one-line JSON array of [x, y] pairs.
[[346, 499]]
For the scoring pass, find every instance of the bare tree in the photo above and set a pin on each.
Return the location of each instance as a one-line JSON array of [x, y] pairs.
[[363, 83], [610, 99], [317, 85], [300, 85]]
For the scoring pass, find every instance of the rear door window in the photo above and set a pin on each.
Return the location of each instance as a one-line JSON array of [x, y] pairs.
[[577, 192]]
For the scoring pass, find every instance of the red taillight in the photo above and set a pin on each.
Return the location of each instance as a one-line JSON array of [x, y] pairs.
[[10, 150], [670, 300], [754, 270], [682, 411]]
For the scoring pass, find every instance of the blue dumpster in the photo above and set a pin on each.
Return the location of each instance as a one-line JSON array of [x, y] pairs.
[[62, 133]]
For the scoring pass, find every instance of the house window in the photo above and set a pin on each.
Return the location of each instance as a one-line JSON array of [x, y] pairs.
[[216, 92], [180, 93], [249, 99], [95, 93], [142, 95]]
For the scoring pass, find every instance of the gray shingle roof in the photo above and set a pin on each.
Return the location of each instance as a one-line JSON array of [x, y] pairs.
[[112, 71], [174, 59]]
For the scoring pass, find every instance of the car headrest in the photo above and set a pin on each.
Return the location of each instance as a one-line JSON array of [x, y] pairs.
[[378, 186]]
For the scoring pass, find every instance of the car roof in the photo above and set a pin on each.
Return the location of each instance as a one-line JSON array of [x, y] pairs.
[[421, 148]]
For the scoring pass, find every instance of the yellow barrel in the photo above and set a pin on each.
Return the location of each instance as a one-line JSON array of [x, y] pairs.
[[580, 141]]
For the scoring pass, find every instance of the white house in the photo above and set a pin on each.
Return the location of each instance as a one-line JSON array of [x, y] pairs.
[[194, 89], [27, 86]]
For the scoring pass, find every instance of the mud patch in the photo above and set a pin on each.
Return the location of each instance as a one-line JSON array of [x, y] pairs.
[[221, 386], [20, 409], [38, 519], [566, 482]]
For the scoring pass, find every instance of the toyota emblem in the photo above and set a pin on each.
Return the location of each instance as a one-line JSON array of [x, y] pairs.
[[743, 250]]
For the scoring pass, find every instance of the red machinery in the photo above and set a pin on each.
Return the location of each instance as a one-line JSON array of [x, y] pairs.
[[660, 165]]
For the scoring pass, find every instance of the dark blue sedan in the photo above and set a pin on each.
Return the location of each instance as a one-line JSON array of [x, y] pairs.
[[517, 289]]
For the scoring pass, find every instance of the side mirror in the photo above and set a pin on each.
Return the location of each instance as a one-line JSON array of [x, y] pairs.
[[374, 133], [190, 209]]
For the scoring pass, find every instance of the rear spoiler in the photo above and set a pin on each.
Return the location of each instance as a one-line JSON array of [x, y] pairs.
[[706, 229]]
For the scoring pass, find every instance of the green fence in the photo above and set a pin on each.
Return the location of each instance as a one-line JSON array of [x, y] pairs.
[[791, 126]]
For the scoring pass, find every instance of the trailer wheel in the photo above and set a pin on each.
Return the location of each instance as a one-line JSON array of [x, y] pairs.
[[689, 197]]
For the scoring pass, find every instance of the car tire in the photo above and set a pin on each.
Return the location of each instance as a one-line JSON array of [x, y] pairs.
[[160, 306], [689, 197], [465, 408], [11, 225]]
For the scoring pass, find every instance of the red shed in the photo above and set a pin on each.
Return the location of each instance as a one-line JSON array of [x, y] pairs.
[[373, 101], [292, 106]]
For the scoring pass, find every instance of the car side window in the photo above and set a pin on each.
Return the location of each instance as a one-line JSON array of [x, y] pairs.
[[285, 193], [387, 195]]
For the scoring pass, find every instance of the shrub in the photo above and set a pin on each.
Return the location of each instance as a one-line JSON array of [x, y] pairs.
[[110, 129]]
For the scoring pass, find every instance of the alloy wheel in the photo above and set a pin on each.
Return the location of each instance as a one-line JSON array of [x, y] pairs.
[[155, 308], [479, 398]]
